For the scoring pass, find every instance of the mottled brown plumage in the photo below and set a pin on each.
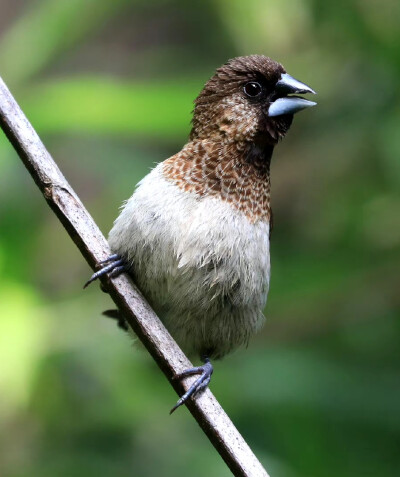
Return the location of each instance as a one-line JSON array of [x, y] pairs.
[[223, 170]]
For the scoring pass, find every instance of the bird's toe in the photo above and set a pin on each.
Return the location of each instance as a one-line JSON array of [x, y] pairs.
[[114, 265], [205, 371]]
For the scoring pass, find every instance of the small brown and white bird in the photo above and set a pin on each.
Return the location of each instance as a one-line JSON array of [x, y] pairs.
[[195, 233]]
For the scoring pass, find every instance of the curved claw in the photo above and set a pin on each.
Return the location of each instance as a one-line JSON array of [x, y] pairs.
[[115, 266], [199, 385]]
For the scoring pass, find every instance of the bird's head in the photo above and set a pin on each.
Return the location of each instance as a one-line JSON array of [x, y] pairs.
[[250, 98]]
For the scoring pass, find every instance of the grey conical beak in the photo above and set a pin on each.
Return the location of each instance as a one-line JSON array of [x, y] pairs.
[[290, 104], [289, 85]]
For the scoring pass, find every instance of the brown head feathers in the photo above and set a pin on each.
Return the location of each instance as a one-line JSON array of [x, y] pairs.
[[232, 139]]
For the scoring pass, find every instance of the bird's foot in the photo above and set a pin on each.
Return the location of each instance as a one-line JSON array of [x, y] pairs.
[[200, 384], [113, 266]]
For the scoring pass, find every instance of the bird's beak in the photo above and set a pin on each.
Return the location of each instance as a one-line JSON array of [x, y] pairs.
[[290, 104]]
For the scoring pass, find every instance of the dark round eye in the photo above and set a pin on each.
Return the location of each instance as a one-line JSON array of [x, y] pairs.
[[252, 89]]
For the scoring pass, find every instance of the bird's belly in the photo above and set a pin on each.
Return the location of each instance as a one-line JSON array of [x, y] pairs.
[[201, 264]]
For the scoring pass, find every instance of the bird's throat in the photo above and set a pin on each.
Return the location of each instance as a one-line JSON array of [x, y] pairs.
[[237, 173]]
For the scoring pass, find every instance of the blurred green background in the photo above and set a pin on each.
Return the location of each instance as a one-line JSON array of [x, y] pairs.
[[109, 87]]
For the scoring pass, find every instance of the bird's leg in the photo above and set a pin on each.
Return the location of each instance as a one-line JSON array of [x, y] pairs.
[[113, 265], [201, 383]]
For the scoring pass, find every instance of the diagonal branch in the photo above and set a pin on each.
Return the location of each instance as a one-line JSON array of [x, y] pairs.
[[142, 319]]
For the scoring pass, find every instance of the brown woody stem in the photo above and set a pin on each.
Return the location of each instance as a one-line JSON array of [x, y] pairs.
[[142, 319]]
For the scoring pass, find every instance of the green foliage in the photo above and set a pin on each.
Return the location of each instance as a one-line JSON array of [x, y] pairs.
[[107, 106], [109, 87]]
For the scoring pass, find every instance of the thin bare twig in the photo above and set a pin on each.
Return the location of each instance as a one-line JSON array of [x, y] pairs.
[[93, 246]]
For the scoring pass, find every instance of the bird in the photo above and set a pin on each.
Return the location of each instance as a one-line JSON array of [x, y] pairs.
[[195, 234]]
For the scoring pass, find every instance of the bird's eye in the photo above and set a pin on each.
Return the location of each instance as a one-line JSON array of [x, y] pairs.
[[252, 89]]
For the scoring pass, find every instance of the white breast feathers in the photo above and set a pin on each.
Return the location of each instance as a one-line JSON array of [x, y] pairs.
[[201, 264]]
